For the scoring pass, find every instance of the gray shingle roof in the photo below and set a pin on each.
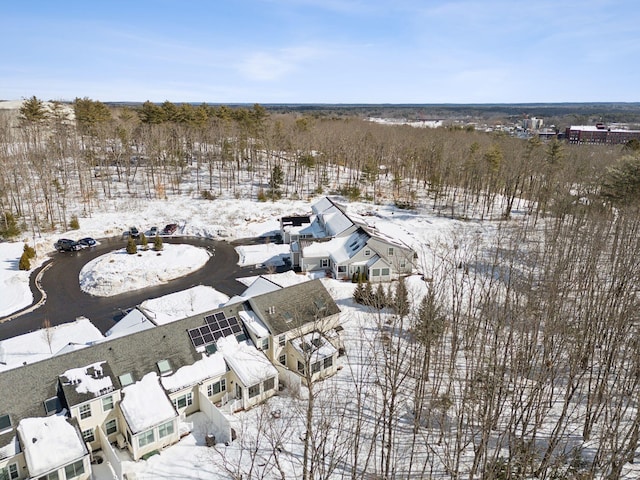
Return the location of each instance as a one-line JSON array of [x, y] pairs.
[[293, 307], [24, 389]]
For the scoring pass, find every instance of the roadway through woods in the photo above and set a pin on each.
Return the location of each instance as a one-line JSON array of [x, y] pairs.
[[64, 301]]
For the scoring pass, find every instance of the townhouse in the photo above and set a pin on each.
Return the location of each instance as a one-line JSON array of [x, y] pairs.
[[133, 392]]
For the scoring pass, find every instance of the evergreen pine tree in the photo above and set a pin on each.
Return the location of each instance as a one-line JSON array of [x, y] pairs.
[[143, 241], [74, 224], [379, 297], [24, 263], [157, 243], [132, 248], [367, 297], [8, 226], [29, 251], [358, 293], [401, 298]]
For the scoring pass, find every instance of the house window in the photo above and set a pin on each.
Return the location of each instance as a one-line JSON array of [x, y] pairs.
[[342, 269], [74, 470], [51, 476], [269, 384], [52, 405], [164, 367], [183, 401], [390, 251], [126, 379], [385, 272], [146, 438], [217, 387], [265, 344], [254, 390], [10, 472], [282, 359], [107, 403], [5, 422], [367, 252], [165, 429], [282, 340], [111, 426], [375, 272], [315, 368], [403, 263], [88, 436], [85, 410], [300, 367], [328, 362], [324, 263]]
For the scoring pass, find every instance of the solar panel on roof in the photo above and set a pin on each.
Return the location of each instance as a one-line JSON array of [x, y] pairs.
[[216, 326]]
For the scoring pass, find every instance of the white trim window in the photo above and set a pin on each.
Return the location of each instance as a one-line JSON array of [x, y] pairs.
[[183, 401], [390, 251], [10, 472], [111, 426], [88, 436], [74, 469], [85, 410], [216, 387], [324, 263], [254, 390], [145, 438], [107, 403], [166, 429]]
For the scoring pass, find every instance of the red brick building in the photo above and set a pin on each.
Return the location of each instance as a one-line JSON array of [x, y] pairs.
[[600, 134]]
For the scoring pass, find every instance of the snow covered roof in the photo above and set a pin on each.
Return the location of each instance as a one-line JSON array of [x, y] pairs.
[[145, 404], [209, 367], [314, 346], [249, 364], [41, 344], [134, 321], [335, 221], [50, 443], [183, 304], [11, 449], [253, 323], [321, 205], [87, 382]]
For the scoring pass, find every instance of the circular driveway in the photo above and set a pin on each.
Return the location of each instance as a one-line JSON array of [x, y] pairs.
[[65, 301]]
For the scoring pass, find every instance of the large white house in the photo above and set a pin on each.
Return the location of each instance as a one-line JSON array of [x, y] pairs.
[[328, 239], [130, 392]]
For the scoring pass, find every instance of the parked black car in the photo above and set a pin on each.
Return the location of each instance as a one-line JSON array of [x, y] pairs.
[[66, 245], [170, 229], [87, 242], [134, 232]]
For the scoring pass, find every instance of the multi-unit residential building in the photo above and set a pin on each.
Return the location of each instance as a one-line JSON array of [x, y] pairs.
[[132, 392], [328, 239]]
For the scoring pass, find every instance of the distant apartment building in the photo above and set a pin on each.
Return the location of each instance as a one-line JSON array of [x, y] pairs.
[[600, 134]]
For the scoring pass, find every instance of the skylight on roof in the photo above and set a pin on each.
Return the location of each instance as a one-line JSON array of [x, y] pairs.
[[164, 367], [5, 422], [52, 405], [126, 379]]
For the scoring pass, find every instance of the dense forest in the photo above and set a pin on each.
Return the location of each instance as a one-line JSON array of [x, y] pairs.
[[522, 361]]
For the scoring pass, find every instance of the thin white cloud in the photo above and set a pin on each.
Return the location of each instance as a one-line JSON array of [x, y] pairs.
[[277, 64]]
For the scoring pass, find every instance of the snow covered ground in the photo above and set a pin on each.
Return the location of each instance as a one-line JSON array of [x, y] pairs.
[[118, 272], [14, 284]]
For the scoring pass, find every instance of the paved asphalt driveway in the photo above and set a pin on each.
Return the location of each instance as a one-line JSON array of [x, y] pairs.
[[65, 301]]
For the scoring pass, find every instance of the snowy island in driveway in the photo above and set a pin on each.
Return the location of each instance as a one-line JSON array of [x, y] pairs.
[[131, 392]]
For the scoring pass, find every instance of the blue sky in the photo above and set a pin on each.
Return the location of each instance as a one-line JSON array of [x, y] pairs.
[[322, 51]]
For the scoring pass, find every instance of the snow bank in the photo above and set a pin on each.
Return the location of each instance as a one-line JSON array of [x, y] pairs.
[[118, 272], [14, 284]]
